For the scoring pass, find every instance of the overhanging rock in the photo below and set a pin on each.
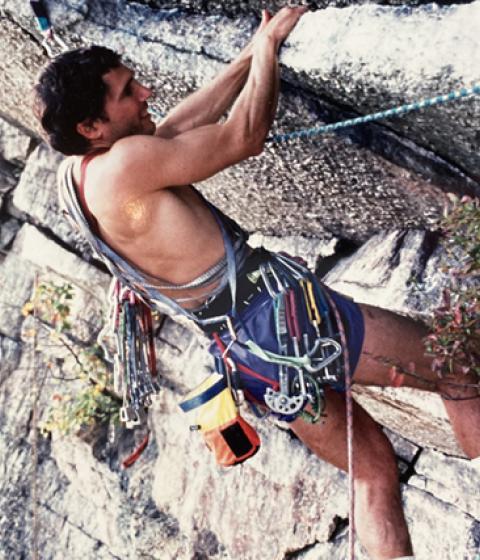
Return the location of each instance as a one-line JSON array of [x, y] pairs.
[[323, 188], [374, 57]]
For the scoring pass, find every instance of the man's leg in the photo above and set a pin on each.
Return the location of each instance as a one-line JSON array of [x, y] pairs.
[[379, 516], [392, 339]]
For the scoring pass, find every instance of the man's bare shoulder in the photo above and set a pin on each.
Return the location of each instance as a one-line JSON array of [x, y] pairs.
[[137, 148], [137, 161]]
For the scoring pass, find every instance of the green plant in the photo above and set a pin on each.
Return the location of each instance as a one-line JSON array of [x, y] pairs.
[[455, 336], [95, 400], [52, 304]]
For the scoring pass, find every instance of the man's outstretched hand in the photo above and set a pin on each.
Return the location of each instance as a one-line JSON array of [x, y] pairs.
[[279, 26]]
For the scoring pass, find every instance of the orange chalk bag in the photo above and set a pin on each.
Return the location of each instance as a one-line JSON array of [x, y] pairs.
[[229, 436]]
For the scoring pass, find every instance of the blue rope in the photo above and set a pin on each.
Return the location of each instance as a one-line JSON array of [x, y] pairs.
[[393, 112]]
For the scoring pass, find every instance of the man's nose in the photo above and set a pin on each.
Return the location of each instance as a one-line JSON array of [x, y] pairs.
[[144, 93]]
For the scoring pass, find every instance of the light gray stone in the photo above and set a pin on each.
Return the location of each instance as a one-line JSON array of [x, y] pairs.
[[449, 479], [310, 250], [360, 58], [396, 409], [404, 448], [292, 489], [55, 265], [15, 145], [388, 271], [438, 529], [16, 279], [10, 351], [36, 196], [33, 246]]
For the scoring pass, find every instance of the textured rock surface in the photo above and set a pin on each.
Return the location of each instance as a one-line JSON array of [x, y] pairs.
[[36, 196], [356, 191], [284, 503], [387, 270], [450, 479], [15, 145], [360, 58]]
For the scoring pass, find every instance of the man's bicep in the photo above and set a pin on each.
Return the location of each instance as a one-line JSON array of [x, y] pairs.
[[197, 154]]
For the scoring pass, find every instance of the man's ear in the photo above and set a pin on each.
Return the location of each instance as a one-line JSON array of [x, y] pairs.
[[90, 129]]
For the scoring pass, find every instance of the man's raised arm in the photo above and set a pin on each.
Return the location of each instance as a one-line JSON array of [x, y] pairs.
[[209, 103], [197, 154]]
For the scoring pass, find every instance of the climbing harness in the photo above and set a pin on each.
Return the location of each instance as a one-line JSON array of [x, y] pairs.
[[52, 43], [275, 343]]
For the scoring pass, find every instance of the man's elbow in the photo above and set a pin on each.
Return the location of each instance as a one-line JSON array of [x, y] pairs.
[[252, 144], [245, 142]]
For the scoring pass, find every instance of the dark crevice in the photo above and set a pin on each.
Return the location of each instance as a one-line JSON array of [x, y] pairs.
[[382, 140], [394, 259], [232, 9], [409, 471], [340, 524], [343, 249], [430, 242], [295, 554]]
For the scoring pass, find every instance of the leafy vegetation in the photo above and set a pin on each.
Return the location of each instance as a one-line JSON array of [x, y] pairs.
[[455, 329], [95, 401]]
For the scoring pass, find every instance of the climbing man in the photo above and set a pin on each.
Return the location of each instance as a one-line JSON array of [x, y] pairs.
[[133, 181]]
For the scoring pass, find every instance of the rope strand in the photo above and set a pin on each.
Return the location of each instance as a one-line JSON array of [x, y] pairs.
[[392, 112]]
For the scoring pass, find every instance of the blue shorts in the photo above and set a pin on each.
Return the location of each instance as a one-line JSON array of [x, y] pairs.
[[256, 321]]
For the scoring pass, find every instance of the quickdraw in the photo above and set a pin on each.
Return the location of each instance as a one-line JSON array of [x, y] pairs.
[[305, 359], [135, 369]]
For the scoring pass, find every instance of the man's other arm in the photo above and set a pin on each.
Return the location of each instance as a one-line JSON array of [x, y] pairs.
[[151, 163], [208, 104]]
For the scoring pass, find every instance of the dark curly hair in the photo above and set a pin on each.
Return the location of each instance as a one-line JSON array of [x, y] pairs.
[[70, 90]]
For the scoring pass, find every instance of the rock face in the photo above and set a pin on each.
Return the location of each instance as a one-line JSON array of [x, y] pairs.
[[382, 186], [356, 190]]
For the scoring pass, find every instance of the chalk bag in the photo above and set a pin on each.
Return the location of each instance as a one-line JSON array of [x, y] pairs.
[[229, 436]]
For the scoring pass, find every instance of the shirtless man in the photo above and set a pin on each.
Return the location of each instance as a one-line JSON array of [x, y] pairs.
[[137, 192]]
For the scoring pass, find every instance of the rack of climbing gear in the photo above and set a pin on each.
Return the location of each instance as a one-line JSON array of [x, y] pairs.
[[295, 359], [135, 368]]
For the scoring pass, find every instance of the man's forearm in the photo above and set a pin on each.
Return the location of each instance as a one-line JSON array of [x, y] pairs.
[[208, 104], [254, 110]]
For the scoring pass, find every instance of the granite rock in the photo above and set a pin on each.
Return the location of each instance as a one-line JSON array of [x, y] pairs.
[[450, 479], [36, 196], [15, 145]]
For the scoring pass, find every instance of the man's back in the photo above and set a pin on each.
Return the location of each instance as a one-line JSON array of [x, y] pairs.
[[169, 233]]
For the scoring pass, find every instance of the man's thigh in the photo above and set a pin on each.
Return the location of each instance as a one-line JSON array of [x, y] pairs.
[[393, 340], [328, 438]]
